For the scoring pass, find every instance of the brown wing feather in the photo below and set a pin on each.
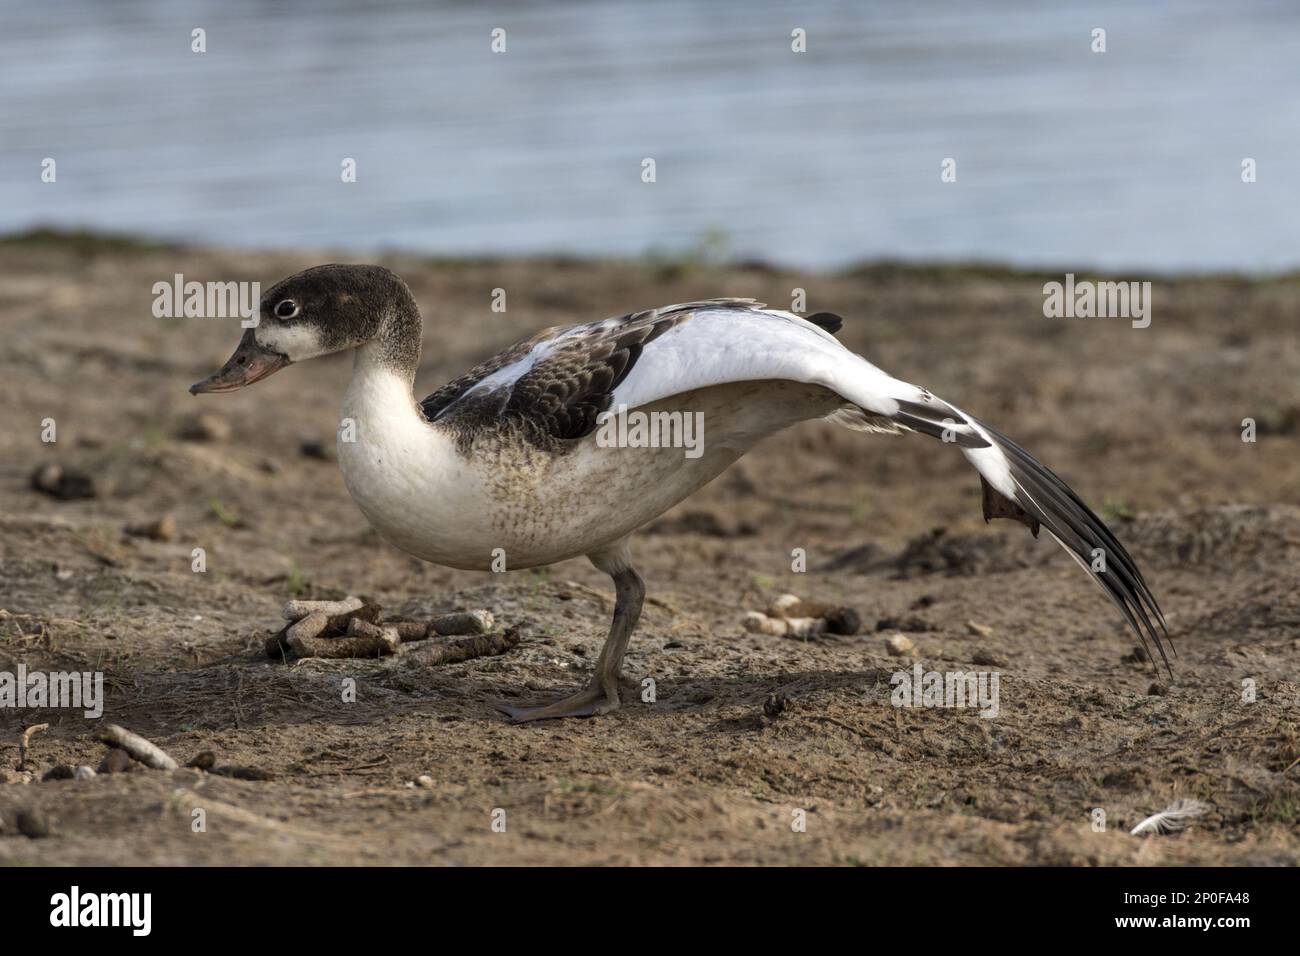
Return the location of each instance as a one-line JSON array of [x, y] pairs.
[[559, 398]]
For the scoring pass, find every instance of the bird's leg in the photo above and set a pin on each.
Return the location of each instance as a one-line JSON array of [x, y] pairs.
[[600, 696]]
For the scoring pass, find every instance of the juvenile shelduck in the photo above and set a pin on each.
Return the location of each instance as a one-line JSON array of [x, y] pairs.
[[506, 460]]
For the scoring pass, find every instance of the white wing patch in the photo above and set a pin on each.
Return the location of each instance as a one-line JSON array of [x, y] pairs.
[[721, 346]]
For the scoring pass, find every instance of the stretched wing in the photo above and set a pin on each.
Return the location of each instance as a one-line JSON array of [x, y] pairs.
[[554, 385]]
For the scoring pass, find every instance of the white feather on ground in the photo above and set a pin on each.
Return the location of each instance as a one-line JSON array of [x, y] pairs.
[[1177, 816]]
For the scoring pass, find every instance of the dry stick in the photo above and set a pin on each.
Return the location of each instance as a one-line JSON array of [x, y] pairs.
[[142, 750], [468, 648], [25, 740]]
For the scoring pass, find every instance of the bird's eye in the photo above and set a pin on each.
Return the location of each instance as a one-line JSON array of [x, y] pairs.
[[287, 309]]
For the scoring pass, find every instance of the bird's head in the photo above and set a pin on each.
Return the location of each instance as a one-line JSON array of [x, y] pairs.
[[316, 312]]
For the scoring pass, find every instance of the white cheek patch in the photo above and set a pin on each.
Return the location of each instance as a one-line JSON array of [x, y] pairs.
[[298, 342]]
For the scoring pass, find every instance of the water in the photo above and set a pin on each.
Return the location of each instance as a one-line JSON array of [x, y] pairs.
[[1129, 159]]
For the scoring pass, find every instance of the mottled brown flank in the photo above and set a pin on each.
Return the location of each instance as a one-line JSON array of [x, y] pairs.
[[559, 398]]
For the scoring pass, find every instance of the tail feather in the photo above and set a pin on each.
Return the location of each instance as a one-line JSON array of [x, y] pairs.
[[1049, 501], [1015, 484]]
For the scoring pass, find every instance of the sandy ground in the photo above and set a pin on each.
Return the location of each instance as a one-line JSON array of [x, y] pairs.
[[1146, 424]]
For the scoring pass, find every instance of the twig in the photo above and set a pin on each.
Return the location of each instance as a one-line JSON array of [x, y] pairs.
[[140, 749], [25, 740]]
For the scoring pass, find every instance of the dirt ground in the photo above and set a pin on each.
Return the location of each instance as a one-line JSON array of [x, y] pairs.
[[1146, 425]]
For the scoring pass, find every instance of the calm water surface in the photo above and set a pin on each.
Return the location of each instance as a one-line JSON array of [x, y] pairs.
[[1127, 159]]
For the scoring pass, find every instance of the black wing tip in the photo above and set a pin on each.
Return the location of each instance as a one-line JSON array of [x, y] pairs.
[[1055, 505], [829, 321]]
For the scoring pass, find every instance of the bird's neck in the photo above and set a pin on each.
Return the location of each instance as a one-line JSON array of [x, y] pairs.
[[397, 346], [383, 370]]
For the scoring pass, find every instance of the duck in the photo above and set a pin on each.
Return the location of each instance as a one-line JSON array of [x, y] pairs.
[[515, 464]]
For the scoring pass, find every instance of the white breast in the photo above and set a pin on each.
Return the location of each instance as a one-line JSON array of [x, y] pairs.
[[406, 476]]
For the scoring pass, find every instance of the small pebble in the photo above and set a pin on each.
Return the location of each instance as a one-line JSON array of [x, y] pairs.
[[983, 658], [162, 529], [203, 760], [58, 772], [32, 823], [783, 603], [46, 478], [844, 621], [64, 484], [314, 448], [424, 780], [1158, 690], [979, 630], [84, 773], [756, 622], [115, 761], [899, 645]]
